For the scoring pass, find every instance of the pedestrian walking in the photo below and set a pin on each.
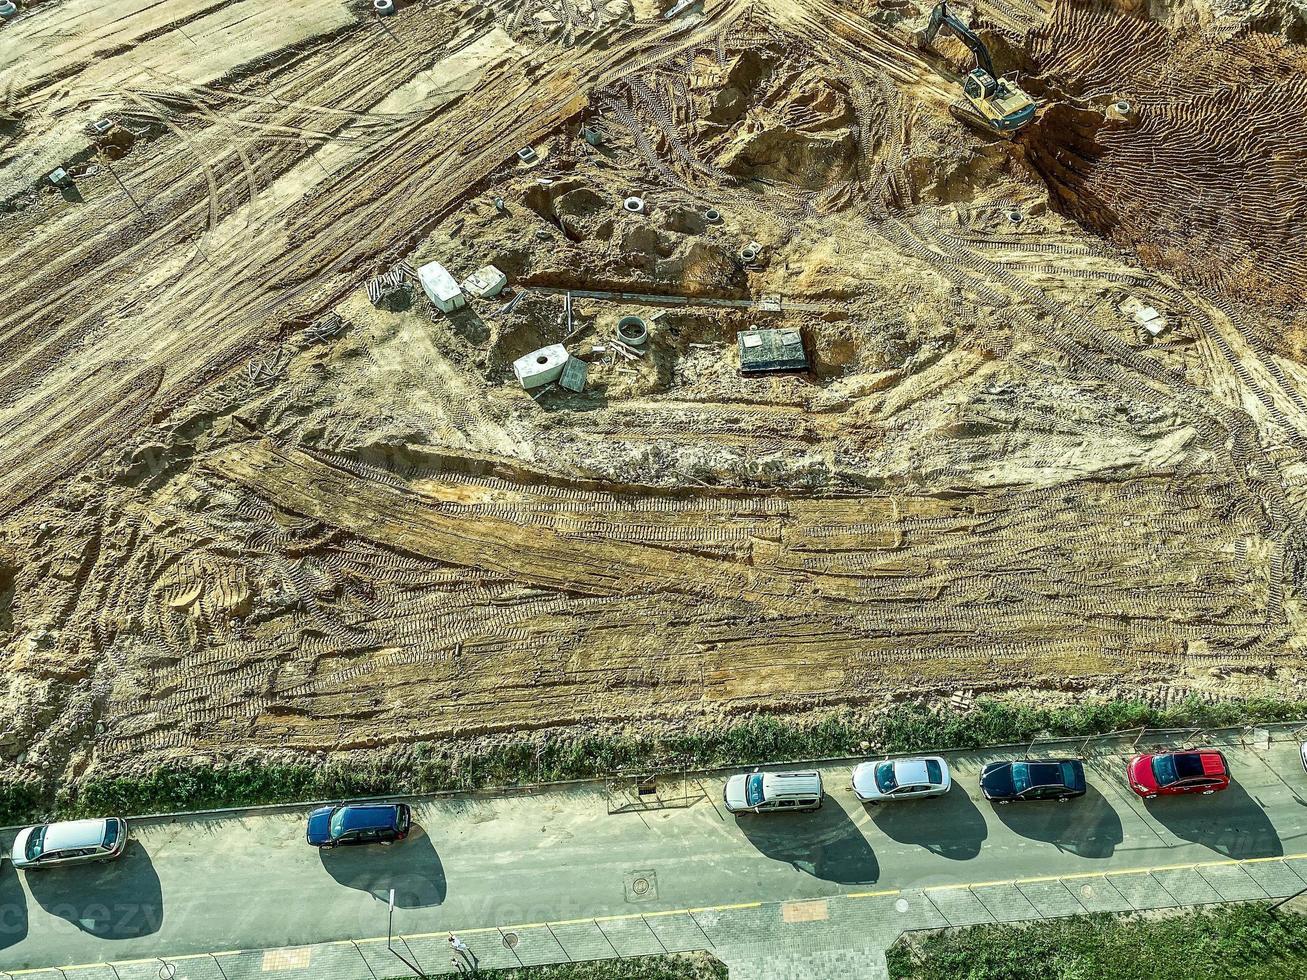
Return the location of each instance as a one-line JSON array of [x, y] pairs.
[[463, 950]]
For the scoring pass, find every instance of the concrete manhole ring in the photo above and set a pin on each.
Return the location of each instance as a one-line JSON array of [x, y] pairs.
[[902, 905], [1086, 890], [633, 330], [511, 940], [640, 886]]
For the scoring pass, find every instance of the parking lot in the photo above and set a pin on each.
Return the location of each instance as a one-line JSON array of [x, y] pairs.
[[552, 867]]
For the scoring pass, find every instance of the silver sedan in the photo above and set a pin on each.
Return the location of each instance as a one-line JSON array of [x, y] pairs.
[[901, 779], [71, 842]]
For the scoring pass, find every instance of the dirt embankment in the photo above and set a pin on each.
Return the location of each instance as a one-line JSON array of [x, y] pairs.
[[1200, 169]]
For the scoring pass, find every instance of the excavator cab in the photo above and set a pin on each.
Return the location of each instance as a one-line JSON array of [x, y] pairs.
[[993, 104], [979, 85]]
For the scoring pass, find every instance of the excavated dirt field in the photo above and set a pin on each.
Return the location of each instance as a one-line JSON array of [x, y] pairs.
[[246, 509]]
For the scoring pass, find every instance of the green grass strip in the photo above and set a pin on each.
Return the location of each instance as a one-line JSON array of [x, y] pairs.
[[1239, 942], [693, 966]]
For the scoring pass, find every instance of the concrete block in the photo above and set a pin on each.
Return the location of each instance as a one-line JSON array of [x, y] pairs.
[[541, 367], [440, 287], [485, 282]]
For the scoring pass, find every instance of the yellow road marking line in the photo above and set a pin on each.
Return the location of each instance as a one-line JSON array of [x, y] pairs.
[[1107, 872], [887, 891], [971, 884]]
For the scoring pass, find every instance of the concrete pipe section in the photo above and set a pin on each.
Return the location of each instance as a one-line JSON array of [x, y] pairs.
[[384, 8], [712, 216], [632, 330], [1121, 110], [634, 204], [1015, 216]]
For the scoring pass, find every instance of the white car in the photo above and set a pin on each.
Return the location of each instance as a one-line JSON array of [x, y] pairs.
[[901, 779], [773, 792], [72, 842]]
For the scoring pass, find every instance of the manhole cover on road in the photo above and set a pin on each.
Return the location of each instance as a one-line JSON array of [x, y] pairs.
[[641, 886], [510, 940], [1086, 890], [902, 905]]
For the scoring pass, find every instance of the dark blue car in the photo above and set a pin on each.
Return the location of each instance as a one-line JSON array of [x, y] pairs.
[[1033, 779], [359, 823]]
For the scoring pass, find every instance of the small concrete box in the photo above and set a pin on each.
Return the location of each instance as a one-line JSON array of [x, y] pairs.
[[441, 288], [1144, 315], [541, 367], [771, 350], [485, 282], [574, 375]]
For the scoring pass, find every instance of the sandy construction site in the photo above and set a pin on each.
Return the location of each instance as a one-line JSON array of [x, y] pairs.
[[257, 493]]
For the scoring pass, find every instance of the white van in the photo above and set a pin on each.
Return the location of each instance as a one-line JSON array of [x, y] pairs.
[[774, 792]]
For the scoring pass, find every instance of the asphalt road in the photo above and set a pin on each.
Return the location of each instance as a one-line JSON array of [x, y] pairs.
[[209, 884]]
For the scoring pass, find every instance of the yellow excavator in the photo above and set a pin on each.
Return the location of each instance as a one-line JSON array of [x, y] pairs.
[[996, 104]]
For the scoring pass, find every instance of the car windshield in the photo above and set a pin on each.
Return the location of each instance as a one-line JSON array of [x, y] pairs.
[[110, 833], [753, 789], [338, 822], [885, 777], [933, 772], [35, 844], [1172, 768], [1020, 777]]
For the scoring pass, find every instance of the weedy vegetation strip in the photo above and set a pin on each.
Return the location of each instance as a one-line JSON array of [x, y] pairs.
[[556, 756]]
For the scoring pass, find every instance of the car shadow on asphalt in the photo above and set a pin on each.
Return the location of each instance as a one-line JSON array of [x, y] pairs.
[[825, 844], [119, 900], [13, 908], [411, 867], [1086, 826], [1231, 822], [949, 825]]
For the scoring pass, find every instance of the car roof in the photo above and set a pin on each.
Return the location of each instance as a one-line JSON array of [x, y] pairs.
[[791, 783], [1046, 772], [909, 772], [73, 834], [369, 816], [1199, 762]]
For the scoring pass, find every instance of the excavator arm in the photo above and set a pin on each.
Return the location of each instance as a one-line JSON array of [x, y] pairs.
[[942, 16]]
